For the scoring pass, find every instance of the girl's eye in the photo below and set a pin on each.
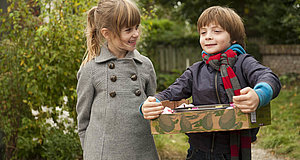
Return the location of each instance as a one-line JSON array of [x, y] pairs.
[[137, 26], [128, 29]]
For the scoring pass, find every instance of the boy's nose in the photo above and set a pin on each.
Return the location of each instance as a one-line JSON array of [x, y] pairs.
[[208, 36]]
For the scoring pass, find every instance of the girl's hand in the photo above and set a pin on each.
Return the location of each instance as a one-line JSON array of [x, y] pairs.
[[152, 109], [248, 101]]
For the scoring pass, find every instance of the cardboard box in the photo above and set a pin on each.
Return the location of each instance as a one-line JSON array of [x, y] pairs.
[[207, 119]]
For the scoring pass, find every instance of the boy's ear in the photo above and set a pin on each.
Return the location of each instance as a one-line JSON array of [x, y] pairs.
[[105, 33], [233, 42]]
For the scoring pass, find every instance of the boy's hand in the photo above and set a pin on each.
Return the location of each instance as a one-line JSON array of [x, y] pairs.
[[152, 109], [248, 101]]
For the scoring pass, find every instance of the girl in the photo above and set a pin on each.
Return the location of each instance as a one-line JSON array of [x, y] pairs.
[[113, 80], [226, 75]]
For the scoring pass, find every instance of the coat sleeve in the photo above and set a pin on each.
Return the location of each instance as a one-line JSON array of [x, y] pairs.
[[180, 89], [256, 73], [151, 85], [85, 95]]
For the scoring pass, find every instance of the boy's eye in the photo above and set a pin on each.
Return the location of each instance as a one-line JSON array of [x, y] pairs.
[[137, 26], [218, 30], [202, 32]]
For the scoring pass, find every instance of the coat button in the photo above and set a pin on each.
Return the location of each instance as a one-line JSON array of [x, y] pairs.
[[137, 92], [112, 94], [113, 78], [111, 65], [134, 77]]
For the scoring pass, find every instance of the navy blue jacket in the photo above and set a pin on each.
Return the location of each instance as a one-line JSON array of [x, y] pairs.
[[205, 86]]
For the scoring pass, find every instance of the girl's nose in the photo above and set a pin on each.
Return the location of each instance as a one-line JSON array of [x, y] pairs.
[[136, 33]]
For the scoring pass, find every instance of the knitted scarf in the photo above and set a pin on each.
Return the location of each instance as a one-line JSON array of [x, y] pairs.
[[240, 141]]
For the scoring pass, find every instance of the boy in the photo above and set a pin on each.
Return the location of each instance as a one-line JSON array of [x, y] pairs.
[[226, 75]]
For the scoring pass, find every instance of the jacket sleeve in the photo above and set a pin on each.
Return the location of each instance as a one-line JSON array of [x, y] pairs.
[[85, 95], [151, 85], [180, 89], [256, 73]]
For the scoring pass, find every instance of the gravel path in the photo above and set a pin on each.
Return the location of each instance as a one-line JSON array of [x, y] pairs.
[[261, 154]]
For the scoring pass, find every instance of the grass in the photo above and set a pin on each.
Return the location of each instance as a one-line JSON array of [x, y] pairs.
[[171, 146], [282, 136]]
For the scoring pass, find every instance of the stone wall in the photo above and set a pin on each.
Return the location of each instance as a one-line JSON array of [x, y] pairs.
[[282, 59]]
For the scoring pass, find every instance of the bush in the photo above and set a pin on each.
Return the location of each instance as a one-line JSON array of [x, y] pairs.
[[164, 80], [42, 44], [52, 134], [290, 79], [164, 32]]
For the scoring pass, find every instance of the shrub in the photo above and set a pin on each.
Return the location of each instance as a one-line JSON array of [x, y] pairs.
[[42, 44]]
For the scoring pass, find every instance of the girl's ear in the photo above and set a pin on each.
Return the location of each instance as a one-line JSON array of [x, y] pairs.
[[233, 42], [105, 33]]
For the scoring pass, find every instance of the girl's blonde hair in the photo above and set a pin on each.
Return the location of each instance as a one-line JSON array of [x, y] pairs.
[[228, 19], [113, 15]]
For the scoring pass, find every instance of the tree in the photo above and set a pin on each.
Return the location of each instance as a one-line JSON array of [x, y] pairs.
[[277, 21], [261, 18]]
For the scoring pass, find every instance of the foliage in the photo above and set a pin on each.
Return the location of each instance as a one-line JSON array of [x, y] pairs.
[[262, 18], [40, 54], [173, 23], [2, 145], [51, 134], [164, 80], [280, 17], [166, 33], [290, 79], [253, 49]]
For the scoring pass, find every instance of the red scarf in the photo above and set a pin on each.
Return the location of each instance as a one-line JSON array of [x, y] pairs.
[[240, 141]]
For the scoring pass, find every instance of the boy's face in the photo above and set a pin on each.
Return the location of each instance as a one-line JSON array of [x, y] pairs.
[[214, 39]]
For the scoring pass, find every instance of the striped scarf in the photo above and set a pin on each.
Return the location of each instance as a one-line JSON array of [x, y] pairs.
[[240, 141]]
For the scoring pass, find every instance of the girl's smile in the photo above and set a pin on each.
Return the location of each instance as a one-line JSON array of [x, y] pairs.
[[126, 42], [129, 36]]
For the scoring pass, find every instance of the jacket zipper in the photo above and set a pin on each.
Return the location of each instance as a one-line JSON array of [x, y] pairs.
[[214, 134], [212, 143], [216, 86]]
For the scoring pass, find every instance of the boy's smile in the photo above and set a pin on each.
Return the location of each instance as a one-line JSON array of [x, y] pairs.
[[214, 39]]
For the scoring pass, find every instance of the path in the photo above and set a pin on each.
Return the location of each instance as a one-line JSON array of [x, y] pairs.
[[261, 154]]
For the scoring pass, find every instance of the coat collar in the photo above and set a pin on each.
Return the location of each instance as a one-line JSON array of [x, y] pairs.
[[105, 55]]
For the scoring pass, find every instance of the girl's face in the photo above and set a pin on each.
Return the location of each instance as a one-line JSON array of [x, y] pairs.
[[214, 39], [129, 37], [127, 41]]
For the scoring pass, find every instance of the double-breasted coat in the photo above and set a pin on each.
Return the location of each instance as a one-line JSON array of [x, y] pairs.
[[110, 91]]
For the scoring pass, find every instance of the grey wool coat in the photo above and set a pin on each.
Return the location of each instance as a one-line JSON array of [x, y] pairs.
[[110, 91]]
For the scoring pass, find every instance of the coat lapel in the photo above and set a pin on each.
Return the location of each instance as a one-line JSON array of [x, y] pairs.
[[105, 55]]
